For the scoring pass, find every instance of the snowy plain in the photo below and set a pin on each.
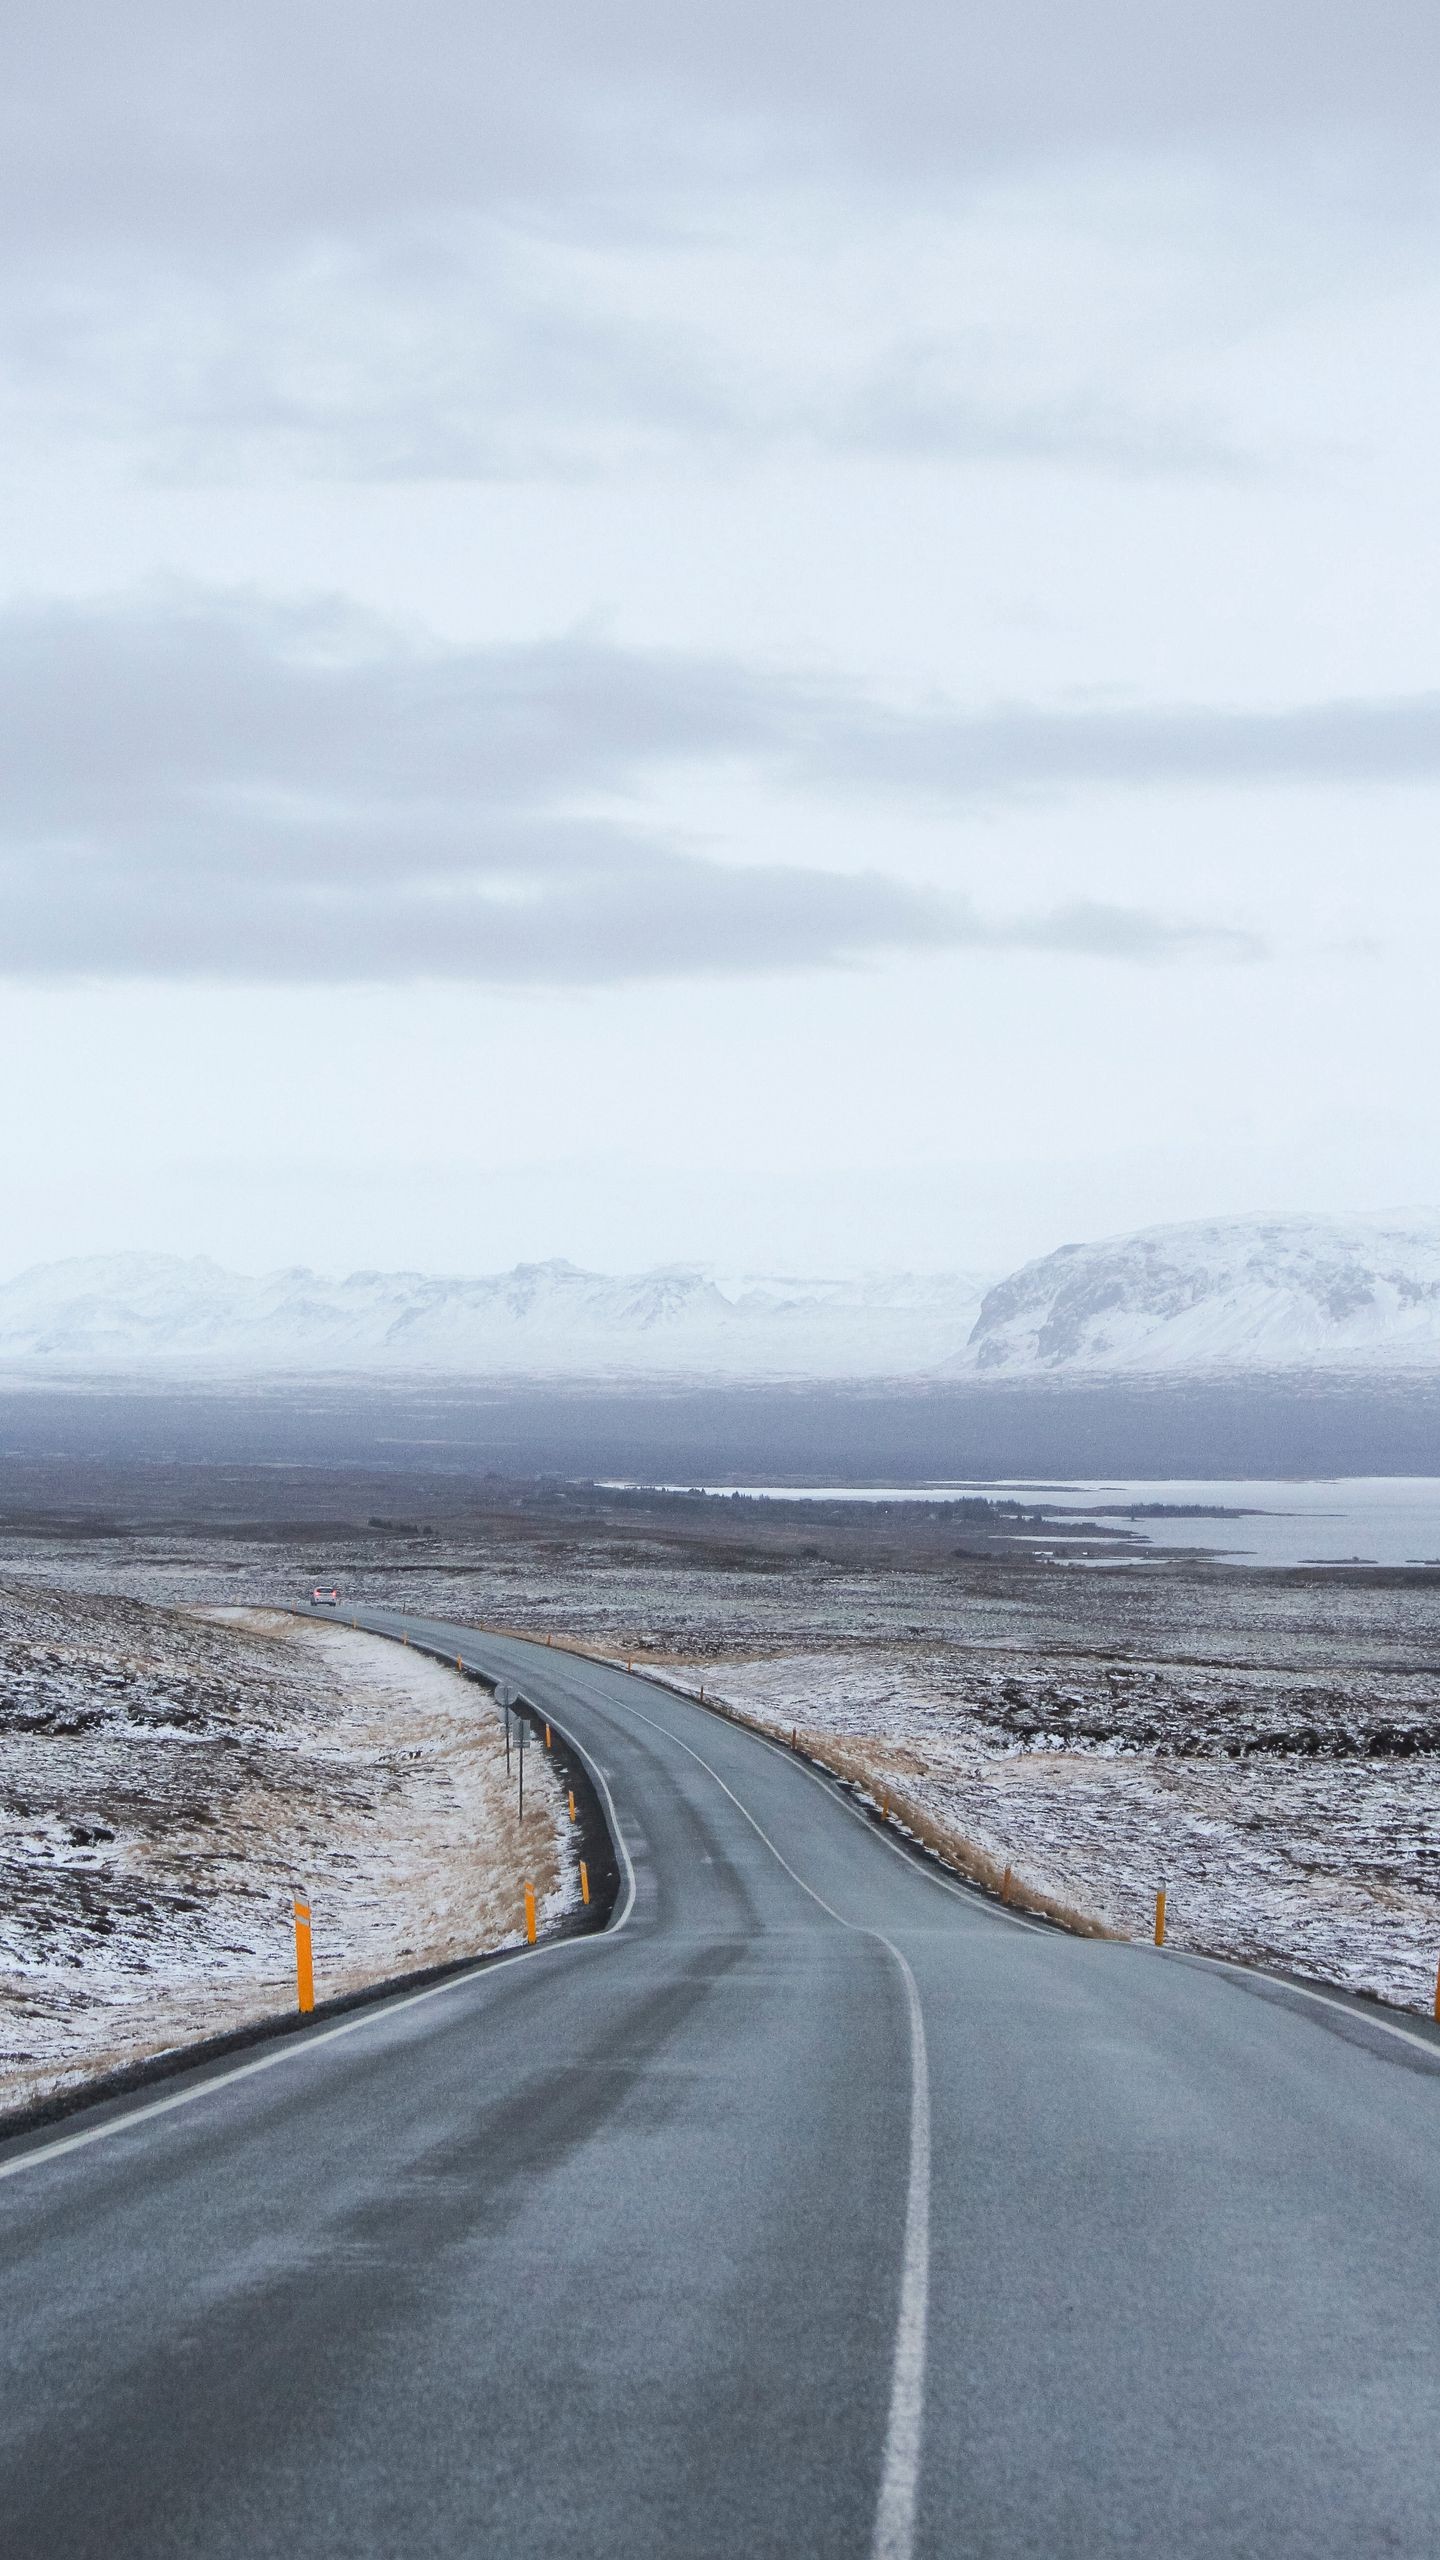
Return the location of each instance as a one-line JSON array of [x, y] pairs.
[[1265, 1744], [1292, 1821]]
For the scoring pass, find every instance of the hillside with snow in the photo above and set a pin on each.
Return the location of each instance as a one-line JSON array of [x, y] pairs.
[[122, 1314], [1226, 1296]]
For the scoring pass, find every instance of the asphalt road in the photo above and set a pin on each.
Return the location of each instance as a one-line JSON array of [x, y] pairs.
[[815, 2208]]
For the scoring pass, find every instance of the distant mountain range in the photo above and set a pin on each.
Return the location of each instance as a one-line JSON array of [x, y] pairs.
[[1223, 1298], [121, 1313]]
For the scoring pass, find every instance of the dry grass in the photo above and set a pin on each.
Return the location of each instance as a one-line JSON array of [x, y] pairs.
[[879, 1775]]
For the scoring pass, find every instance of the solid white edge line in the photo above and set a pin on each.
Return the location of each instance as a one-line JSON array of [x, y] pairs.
[[1253, 1978], [296, 2049]]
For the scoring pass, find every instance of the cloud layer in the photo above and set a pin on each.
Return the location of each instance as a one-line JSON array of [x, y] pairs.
[[202, 124], [494, 243], [201, 785]]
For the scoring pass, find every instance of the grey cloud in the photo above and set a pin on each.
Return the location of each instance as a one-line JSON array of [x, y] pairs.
[[184, 122], [955, 757], [501, 382], [314, 240], [101, 710], [218, 788], [609, 919], [918, 403], [1091, 929], [502, 367]]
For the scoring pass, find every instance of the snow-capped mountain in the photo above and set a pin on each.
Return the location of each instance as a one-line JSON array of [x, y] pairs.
[[1231, 1294], [122, 1313]]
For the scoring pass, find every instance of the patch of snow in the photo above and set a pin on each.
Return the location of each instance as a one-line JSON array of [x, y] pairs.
[[167, 1782]]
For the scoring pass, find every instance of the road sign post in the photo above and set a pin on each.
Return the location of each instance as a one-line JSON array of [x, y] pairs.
[[505, 1699]]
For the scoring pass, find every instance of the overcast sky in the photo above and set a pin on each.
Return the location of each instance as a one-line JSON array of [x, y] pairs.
[[799, 638]]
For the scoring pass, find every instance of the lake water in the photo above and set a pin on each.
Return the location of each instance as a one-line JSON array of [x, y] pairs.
[[1341, 1520]]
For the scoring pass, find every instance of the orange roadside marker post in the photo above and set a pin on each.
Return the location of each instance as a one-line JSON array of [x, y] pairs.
[[547, 1737], [304, 1960], [584, 1882], [1160, 1917], [530, 1911], [571, 1802]]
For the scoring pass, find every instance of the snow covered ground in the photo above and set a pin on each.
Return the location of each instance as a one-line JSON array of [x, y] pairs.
[[167, 1780], [1293, 1820], [1267, 1745]]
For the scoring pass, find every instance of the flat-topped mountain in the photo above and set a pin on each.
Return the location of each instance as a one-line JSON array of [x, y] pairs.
[[1221, 1296]]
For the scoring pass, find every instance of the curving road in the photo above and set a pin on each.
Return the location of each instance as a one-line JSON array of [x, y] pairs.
[[817, 2207]]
